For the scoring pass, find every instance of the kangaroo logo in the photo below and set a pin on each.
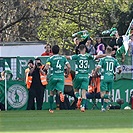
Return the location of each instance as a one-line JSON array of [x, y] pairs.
[[17, 96]]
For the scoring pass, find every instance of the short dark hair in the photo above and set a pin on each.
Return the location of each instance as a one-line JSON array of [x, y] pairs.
[[30, 61], [55, 49], [76, 38], [48, 44], [81, 47], [38, 59]]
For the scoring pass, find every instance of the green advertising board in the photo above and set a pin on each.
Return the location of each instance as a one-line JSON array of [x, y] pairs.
[[19, 64], [17, 94]]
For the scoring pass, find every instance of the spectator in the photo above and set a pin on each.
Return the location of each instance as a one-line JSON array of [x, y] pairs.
[[90, 47], [116, 41], [48, 51], [68, 91], [76, 42], [100, 49], [36, 83], [99, 40], [56, 64], [85, 36], [131, 45]]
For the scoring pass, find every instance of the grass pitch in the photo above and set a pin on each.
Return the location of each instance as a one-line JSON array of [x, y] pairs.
[[67, 121]]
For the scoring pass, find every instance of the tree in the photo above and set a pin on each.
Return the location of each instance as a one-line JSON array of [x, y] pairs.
[[20, 19], [92, 15], [56, 20]]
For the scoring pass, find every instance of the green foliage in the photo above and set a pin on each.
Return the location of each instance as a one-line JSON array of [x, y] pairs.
[[54, 28], [56, 20], [57, 31], [67, 17]]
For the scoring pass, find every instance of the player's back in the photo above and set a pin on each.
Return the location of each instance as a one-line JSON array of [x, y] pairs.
[[108, 64], [57, 64], [82, 64]]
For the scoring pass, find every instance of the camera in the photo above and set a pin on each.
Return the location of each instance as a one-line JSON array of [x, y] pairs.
[[38, 64], [132, 93]]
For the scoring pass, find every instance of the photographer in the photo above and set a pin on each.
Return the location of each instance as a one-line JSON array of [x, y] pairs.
[[36, 83]]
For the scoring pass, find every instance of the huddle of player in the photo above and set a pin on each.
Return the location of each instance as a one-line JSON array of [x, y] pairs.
[[56, 64]]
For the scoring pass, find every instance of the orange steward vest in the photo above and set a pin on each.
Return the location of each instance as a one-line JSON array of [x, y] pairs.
[[68, 80], [42, 77], [26, 74], [95, 83]]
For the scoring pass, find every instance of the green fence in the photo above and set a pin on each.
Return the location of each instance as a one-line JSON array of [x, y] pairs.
[[18, 94], [19, 64]]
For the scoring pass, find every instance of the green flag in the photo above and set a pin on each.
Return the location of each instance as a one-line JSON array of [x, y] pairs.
[[110, 32], [124, 47], [82, 34], [130, 28], [8, 71], [125, 43], [113, 31]]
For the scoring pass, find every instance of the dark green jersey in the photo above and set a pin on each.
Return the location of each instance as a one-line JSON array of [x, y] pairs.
[[57, 64], [82, 63], [108, 64]]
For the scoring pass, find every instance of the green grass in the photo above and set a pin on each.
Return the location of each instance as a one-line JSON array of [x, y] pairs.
[[67, 121]]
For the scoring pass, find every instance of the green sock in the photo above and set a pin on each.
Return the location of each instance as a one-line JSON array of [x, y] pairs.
[[83, 102], [77, 94], [106, 96], [51, 100], [105, 105]]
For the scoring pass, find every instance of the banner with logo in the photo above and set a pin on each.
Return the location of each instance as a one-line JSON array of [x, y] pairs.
[[17, 94], [122, 90]]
